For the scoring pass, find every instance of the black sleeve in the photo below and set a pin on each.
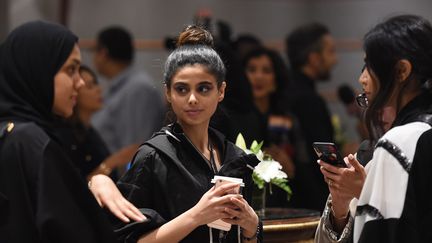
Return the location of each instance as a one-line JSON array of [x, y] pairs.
[[137, 187], [65, 205], [48, 201], [137, 184], [420, 178]]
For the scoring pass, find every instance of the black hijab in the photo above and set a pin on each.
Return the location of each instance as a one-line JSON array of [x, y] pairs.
[[30, 57]]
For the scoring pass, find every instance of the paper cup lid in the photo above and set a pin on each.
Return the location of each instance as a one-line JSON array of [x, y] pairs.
[[230, 179]]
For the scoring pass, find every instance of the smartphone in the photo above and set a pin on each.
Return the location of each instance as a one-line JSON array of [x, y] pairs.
[[329, 153]]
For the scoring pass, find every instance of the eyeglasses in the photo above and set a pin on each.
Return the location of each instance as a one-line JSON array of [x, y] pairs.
[[362, 100]]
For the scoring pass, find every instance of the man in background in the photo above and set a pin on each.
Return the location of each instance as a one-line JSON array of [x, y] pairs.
[[312, 55], [133, 105]]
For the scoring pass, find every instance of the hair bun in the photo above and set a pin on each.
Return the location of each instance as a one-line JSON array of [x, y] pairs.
[[195, 35]]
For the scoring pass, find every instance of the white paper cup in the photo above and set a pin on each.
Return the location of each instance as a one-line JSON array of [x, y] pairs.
[[220, 180]]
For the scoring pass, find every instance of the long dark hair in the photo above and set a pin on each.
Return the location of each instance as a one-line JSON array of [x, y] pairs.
[[280, 72], [401, 37]]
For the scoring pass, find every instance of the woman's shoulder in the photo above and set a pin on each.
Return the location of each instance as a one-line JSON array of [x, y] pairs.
[[152, 148], [409, 132], [234, 149], [28, 133]]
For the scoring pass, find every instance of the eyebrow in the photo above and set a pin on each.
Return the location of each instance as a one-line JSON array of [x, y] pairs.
[[76, 61], [185, 83]]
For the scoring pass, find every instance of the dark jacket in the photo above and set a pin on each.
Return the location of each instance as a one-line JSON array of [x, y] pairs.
[[84, 146], [315, 122], [45, 198], [169, 175], [42, 196]]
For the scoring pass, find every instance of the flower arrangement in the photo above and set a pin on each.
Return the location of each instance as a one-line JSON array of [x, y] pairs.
[[268, 170]]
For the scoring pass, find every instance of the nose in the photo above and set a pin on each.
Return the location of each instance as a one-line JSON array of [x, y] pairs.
[[363, 78], [79, 82], [192, 99], [259, 75]]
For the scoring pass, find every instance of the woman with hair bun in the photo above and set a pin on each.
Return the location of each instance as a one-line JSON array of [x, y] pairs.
[[172, 172]]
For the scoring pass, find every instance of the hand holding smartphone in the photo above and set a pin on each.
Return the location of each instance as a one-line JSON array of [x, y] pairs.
[[329, 153]]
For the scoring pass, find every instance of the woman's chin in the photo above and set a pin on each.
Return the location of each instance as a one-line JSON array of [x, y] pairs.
[[64, 114]]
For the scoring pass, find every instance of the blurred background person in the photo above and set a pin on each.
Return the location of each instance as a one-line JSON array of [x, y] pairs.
[[134, 107], [312, 55], [268, 77], [81, 141], [347, 96], [244, 43]]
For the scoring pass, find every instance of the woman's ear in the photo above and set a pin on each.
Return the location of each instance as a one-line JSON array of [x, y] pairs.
[[221, 91], [167, 93], [403, 70]]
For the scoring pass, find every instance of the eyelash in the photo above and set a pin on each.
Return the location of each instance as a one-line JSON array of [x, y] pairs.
[[201, 89], [72, 69], [204, 88]]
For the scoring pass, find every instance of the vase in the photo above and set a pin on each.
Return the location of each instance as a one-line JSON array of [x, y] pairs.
[[259, 200]]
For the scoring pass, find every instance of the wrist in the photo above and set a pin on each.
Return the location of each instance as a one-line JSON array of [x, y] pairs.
[[195, 219], [339, 211], [251, 230], [250, 235]]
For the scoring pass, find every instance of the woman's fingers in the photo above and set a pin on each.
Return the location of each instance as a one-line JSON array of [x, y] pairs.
[[330, 168], [132, 212], [230, 220], [113, 207], [224, 189], [354, 162], [227, 199], [329, 175], [232, 212]]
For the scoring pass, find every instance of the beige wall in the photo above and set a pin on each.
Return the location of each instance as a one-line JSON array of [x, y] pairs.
[[270, 20]]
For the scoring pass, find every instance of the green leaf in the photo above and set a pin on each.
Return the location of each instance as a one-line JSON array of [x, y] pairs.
[[258, 181], [256, 147], [283, 184], [240, 142]]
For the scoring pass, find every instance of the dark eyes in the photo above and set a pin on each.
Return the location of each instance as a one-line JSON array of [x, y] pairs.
[[204, 88], [181, 89], [265, 69], [201, 88], [71, 70]]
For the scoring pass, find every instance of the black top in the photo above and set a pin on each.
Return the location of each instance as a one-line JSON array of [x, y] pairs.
[[84, 146], [43, 198], [315, 122], [46, 198], [170, 176], [414, 224]]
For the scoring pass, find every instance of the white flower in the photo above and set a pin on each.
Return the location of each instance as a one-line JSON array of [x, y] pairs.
[[269, 169]]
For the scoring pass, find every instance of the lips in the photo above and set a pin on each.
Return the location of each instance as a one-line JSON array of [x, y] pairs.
[[74, 99], [193, 112]]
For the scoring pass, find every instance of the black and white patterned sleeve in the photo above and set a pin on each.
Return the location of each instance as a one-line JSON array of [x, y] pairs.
[[325, 232]]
